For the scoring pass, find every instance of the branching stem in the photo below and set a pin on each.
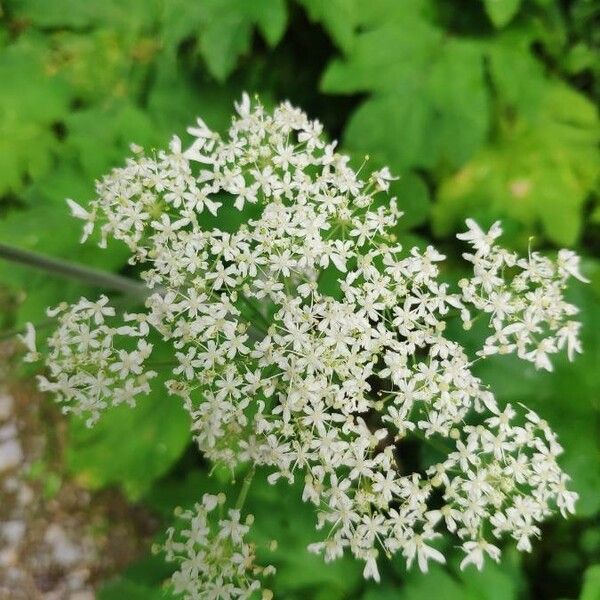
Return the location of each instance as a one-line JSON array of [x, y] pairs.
[[245, 488], [70, 270]]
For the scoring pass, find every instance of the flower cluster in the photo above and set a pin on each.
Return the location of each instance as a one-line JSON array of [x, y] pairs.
[[89, 364], [504, 475], [215, 561], [528, 312], [324, 377]]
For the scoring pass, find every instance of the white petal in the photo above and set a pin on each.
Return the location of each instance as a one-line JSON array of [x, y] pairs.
[[78, 211]]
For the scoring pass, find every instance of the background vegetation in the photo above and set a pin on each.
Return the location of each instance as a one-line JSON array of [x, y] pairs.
[[486, 108]]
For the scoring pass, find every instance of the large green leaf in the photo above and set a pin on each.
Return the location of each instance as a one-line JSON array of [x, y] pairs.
[[493, 583], [338, 17], [32, 101], [223, 29], [540, 171], [130, 447], [74, 14], [413, 199], [591, 584], [175, 100], [102, 64], [227, 26], [99, 139], [429, 105], [297, 569], [518, 77], [50, 230], [501, 12], [96, 141], [124, 588]]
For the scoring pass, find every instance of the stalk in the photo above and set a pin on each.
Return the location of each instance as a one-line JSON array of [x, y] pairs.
[[75, 271], [245, 488]]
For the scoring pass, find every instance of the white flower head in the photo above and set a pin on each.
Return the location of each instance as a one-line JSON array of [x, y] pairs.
[[213, 555], [305, 340]]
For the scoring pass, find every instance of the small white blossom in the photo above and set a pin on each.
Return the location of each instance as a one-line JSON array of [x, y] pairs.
[[319, 385], [214, 559]]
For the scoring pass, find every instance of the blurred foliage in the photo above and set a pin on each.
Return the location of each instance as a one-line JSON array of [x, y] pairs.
[[486, 108]]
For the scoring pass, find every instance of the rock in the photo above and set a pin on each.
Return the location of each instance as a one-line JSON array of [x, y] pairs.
[[82, 595], [13, 531], [64, 552], [6, 406], [8, 432], [11, 455]]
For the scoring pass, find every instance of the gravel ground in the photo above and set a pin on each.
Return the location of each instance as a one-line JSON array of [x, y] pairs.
[[58, 541]]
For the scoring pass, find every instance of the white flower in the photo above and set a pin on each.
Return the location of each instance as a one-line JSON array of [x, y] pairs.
[[475, 553], [80, 213], [416, 547], [28, 339], [213, 556], [371, 571], [479, 239], [84, 356], [382, 179], [296, 333], [568, 264]]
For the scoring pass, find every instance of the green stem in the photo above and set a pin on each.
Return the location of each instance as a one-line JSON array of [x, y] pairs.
[[255, 311], [440, 446], [245, 488], [70, 270]]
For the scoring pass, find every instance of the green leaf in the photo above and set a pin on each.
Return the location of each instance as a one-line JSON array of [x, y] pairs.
[[501, 12], [32, 100], [175, 490], [124, 588], [581, 57], [429, 105], [437, 584], [413, 200], [147, 577], [130, 15], [502, 581], [298, 570], [99, 139], [130, 447], [591, 584], [381, 592], [338, 17], [595, 214], [102, 64], [96, 141], [226, 28], [271, 18], [539, 172], [175, 101], [50, 230], [494, 582], [518, 77]]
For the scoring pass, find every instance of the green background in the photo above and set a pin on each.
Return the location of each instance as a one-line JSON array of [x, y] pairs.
[[485, 108]]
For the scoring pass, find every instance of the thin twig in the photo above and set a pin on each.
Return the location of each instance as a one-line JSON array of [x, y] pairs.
[[244, 489], [70, 270]]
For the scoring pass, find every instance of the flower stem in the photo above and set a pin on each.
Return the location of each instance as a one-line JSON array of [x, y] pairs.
[[244, 489], [437, 445], [70, 270], [256, 312]]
